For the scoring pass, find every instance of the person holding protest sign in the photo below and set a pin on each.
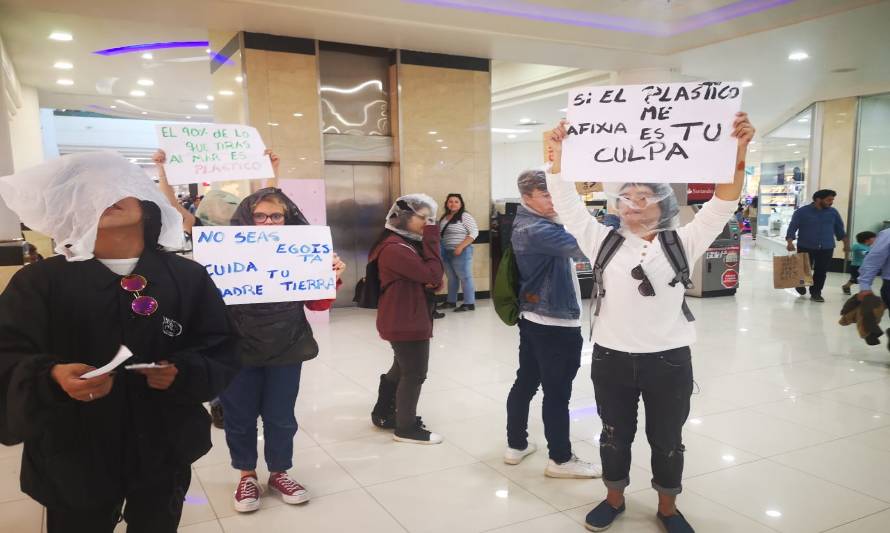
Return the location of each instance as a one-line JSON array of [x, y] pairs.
[[459, 230], [644, 329], [410, 267], [276, 340], [120, 443]]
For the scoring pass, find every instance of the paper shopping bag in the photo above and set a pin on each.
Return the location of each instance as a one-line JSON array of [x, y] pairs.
[[792, 271]]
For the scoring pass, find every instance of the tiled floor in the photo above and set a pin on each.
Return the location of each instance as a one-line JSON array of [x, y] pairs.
[[790, 431]]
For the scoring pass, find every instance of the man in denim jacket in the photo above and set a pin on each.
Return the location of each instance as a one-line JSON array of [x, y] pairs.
[[549, 330]]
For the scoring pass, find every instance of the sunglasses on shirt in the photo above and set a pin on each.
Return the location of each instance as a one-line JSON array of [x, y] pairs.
[[645, 288], [141, 305]]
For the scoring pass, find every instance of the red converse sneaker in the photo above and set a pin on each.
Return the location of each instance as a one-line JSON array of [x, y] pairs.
[[291, 491], [247, 495]]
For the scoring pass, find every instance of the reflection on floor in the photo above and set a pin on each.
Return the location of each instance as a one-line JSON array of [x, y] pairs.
[[790, 432]]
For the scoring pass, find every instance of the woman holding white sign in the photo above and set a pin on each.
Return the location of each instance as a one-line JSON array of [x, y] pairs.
[[276, 340], [644, 328]]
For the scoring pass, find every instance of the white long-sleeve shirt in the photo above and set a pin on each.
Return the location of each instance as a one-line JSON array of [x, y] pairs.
[[628, 321]]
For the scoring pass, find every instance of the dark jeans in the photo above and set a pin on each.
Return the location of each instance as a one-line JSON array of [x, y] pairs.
[[154, 507], [664, 379], [885, 293], [409, 366], [853, 270], [549, 356], [270, 392], [820, 260]]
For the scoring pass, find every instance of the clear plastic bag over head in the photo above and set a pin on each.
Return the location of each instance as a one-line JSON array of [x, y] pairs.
[[644, 208], [217, 208], [65, 197], [406, 207]]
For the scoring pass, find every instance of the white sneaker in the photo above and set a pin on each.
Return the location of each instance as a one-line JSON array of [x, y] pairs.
[[247, 495], [513, 456], [574, 468]]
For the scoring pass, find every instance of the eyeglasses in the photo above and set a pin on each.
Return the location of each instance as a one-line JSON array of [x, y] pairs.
[[645, 288], [261, 218], [141, 305], [638, 202]]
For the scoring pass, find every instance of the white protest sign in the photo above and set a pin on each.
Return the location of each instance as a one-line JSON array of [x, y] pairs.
[[663, 132], [212, 152], [261, 264]]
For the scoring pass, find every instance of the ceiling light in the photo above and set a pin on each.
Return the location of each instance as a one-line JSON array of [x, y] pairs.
[[202, 106], [188, 116], [870, 149], [209, 97], [747, 83], [695, 421], [65, 81], [137, 92], [798, 56], [114, 107], [63, 65], [439, 141], [511, 136], [791, 144], [752, 151], [432, 132], [60, 36], [797, 151], [525, 120], [145, 82], [563, 110], [444, 147], [772, 513], [728, 458], [207, 50], [804, 119], [272, 123], [239, 79], [148, 55], [298, 115], [145, 112], [226, 92]]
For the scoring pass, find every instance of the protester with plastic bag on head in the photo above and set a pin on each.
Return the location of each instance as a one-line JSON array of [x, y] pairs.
[[643, 328], [410, 267], [276, 339], [122, 439]]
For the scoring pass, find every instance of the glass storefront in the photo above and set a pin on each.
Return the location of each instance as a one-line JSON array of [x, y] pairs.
[[871, 192]]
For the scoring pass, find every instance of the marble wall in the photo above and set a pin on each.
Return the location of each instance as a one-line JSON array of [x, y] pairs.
[[444, 139], [838, 155]]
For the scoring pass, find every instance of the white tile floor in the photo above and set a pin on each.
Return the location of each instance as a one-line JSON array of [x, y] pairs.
[[790, 432]]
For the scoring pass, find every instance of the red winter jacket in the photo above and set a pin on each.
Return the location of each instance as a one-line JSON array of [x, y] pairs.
[[405, 311]]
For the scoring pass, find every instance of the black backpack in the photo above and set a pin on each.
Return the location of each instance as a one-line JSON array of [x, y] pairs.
[[367, 290]]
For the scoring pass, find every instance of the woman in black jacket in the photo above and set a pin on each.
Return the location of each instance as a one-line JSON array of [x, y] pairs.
[[276, 339], [119, 443]]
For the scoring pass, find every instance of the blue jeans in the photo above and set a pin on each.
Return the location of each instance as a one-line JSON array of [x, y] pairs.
[[270, 392], [459, 269]]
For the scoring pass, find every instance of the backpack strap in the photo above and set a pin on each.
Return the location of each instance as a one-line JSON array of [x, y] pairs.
[[676, 256], [608, 248]]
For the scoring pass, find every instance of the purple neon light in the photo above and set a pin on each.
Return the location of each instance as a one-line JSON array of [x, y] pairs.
[[574, 17], [146, 47]]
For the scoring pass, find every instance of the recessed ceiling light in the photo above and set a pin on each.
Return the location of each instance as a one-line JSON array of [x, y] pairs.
[[870, 149], [432, 132], [137, 92], [61, 36], [145, 82], [797, 151], [207, 50], [804, 119], [272, 123], [209, 97], [772, 513], [798, 56], [226, 92], [148, 55], [525, 120], [202, 106], [63, 65], [791, 144], [563, 110], [747, 83], [145, 112], [188, 116], [65, 81], [439, 141], [113, 107], [444, 147], [511, 136], [239, 79], [298, 115]]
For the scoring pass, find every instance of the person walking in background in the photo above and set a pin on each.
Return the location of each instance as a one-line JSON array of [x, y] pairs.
[[549, 330], [410, 267], [816, 226], [875, 264], [864, 241], [459, 230]]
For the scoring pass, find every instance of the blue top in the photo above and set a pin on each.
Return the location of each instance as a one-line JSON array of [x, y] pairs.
[[877, 260], [859, 251], [816, 229]]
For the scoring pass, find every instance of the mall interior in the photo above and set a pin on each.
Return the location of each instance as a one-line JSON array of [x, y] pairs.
[[789, 427]]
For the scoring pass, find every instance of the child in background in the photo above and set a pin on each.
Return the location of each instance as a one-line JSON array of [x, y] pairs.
[[864, 240]]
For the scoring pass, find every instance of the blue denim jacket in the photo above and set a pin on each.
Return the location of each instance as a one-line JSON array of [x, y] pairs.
[[543, 250]]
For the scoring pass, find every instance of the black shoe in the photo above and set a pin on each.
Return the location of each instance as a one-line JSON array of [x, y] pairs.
[[216, 415], [602, 516], [817, 298], [417, 436], [384, 413], [801, 290], [447, 305], [437, 314], [675, 523], [846, 289], [465, 307]]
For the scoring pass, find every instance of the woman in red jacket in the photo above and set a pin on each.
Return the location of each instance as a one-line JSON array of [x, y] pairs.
[[410, 267]]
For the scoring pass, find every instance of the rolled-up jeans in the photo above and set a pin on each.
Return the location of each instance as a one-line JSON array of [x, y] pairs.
[[459, 269], [664, 380]]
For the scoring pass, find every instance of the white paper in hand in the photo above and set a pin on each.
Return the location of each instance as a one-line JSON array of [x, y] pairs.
[[122, 355]]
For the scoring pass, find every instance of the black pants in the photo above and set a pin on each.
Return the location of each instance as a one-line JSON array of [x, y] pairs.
[[154, 507], [549, 356], [409, 366], [664, 379], [820, 260], [885, 293]]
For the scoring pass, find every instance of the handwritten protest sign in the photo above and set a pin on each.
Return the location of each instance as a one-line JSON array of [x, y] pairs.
[[257, 264], [212, 152], [669, 133]]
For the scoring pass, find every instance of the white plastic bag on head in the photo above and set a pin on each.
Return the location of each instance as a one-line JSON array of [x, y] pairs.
[[406, 207], [644, 208], [65, 197], [217, 208]]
